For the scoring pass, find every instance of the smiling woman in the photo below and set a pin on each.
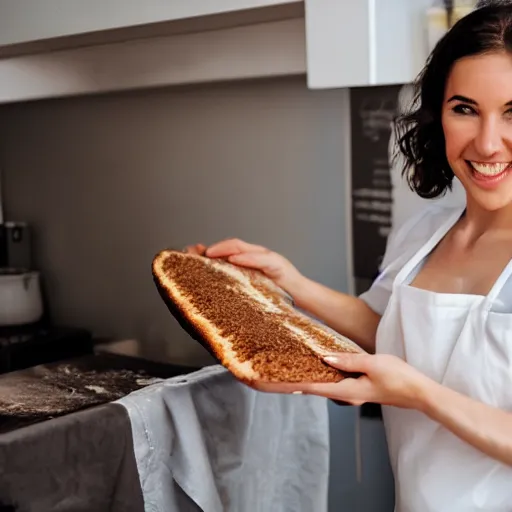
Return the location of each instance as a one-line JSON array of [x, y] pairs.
[[439, 317], [477, 122]]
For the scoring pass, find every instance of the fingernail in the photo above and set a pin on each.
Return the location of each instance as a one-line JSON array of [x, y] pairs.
[[330, 359], [297, 393]]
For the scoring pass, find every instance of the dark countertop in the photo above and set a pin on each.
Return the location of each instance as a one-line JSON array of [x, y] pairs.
[[55, 389]]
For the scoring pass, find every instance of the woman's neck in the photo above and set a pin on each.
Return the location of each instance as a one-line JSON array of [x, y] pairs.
[[478, 221]]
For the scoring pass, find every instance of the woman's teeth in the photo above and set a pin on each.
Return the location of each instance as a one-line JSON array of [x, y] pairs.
[[489, 169]]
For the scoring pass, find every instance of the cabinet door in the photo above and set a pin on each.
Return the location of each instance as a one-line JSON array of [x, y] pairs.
[[400, 39], [23, 21], [364, 42], [338, 43]]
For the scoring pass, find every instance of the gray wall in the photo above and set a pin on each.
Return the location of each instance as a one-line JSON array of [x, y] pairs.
[[108, 181]]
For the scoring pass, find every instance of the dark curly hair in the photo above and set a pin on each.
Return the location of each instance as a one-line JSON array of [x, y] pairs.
[[419, 133]]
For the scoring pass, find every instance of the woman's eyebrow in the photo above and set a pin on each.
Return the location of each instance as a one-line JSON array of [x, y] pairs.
[[458, 97], [464, 99]]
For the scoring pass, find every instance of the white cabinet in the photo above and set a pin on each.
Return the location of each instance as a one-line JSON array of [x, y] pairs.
[[62, 48], [24, 21], [364, 42], [269, 49], [56, 48]]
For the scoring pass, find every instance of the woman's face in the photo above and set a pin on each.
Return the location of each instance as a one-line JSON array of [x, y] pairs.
[[477, 124]]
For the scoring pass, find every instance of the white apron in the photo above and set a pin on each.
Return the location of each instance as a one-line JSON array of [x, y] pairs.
[[458, 341]]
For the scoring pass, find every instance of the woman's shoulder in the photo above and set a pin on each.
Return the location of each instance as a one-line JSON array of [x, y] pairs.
[[405, 240]]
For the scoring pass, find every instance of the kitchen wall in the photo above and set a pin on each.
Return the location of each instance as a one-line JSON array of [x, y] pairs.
[[108, 181]]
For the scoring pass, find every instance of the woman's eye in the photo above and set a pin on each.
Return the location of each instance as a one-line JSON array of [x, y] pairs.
[[464, 109]]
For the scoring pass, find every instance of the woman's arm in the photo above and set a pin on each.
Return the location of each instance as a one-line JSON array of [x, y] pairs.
[[348, 315], [388, 380], [484, 427]]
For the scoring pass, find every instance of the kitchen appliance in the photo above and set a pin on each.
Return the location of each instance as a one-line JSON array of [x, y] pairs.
[[15, 245], [21, 300]]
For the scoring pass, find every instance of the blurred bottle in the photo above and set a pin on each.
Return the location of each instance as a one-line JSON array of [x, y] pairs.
[[460, 9], [437, 23], [442, 15]]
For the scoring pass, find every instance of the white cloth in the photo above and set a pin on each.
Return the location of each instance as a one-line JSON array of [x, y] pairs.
[[227, 447], [460, 341]]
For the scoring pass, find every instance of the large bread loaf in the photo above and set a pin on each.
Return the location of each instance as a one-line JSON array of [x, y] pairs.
[[245, 321]]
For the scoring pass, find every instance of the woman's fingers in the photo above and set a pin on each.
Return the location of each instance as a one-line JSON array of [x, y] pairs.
[[260, 260], [349, 362], [327, 390], [199, 249], [348, 390], [232, 246]]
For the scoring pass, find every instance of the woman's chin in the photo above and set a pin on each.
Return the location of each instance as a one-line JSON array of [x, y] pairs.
[[491, 202], [488, 194]]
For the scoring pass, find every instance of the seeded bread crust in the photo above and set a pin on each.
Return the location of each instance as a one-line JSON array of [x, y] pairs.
[[245, 321]]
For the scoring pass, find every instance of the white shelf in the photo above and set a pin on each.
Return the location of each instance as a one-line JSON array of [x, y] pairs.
[[263, 50], [25, 21]]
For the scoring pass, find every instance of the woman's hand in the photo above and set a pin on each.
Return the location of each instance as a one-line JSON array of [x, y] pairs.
[[195, 249], [385, 380], [244, 254]]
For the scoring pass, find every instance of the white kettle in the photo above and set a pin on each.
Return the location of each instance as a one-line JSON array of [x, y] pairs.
[[21, 301]]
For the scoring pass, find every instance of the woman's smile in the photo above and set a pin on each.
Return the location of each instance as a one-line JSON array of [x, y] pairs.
[[488, 174]]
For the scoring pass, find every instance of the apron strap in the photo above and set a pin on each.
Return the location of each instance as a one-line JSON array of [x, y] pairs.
[[426, 248], [499, 284]]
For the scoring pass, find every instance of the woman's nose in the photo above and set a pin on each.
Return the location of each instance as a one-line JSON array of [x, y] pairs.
[[490, 138]]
